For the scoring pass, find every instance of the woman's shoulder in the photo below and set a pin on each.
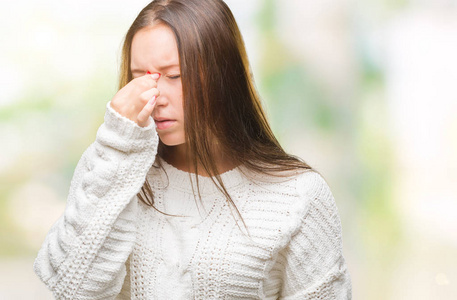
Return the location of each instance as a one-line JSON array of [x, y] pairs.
[[307, 184], [296, 191], [307, 192], [286, 201], [303, 183], [311, 184]]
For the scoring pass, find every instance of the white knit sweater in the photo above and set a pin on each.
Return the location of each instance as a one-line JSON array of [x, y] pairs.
[[109, 245]]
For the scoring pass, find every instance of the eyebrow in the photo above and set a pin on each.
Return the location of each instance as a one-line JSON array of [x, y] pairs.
[[160, 68]]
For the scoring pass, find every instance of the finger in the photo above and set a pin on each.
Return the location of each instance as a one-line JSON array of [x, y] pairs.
[[147, 95], [154, 76], [146, 112], [145, 82]]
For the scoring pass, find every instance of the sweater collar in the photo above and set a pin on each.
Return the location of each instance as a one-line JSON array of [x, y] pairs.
[[180, 180]]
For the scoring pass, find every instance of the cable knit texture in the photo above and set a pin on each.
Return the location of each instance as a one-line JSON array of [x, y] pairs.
[[109, 245]]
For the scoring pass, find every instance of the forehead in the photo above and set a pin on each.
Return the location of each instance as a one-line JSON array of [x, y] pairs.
[[154, 47]]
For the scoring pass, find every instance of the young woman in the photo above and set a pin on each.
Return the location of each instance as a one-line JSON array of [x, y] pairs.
[[186, 193]]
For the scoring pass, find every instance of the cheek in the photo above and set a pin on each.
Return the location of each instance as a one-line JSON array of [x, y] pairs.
[[180, 106], [178, 101]]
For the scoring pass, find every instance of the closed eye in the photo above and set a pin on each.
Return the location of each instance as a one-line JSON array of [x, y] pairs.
[[174, 77]]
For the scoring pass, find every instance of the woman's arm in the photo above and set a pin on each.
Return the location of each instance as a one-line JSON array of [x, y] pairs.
[[313, 263], [84, 253]]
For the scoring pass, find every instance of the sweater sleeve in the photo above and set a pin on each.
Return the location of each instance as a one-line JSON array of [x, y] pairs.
[[313, 262], [84, 253]]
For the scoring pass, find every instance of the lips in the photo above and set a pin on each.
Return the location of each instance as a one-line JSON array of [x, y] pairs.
[[163, 123]]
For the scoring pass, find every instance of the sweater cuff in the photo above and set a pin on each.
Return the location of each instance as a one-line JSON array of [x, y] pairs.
[[125, 127], [122, 134]]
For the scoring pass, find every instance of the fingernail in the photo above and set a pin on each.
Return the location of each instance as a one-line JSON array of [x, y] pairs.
[[148, 72], [153, 99], [155, 76]]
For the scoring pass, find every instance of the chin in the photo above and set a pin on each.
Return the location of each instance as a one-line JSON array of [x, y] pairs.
[[171, 141]]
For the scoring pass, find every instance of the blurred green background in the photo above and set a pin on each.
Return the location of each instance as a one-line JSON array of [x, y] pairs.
[[364, 91]]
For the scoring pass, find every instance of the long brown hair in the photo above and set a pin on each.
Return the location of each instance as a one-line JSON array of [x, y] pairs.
[[219, 96]]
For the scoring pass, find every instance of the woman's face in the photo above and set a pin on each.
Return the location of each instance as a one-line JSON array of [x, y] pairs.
[[154, 49]]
